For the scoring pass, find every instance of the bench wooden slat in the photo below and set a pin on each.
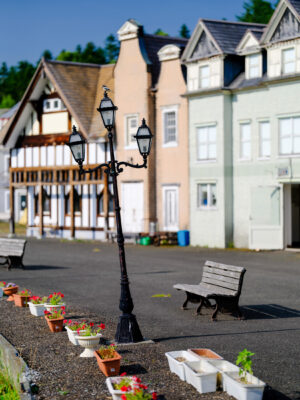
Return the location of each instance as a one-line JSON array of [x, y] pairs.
[[213, 270], [218, 290], [225, 266], [222, 278], [219, 283]]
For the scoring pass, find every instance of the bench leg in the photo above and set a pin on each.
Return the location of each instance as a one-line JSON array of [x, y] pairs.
[[198, 311], [8, 264], [214, 314], [184, 305]]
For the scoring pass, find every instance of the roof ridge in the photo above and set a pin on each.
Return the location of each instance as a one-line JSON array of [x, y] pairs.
[[165, 37], [77, 64], [233, 22]]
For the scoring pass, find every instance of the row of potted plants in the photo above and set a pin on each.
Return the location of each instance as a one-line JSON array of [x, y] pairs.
[[207, 371], [84, 334]]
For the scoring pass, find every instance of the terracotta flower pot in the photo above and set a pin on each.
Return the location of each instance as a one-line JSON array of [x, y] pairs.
[[9, 291], [110, 366], [55, 325], [205, 353], [21, 301]]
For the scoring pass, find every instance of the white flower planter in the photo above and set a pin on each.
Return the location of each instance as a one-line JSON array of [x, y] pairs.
[[116, 394], [90, 343], [72, 335], [54, 307], [243, 391], [177, 366], [201, 375], [36, 309], [222, 366]]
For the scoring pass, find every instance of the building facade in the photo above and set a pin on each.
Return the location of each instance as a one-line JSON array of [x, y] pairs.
[[244, 131]]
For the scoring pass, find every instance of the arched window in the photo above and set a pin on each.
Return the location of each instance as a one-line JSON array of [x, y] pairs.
[[77, 202], [46, 200]]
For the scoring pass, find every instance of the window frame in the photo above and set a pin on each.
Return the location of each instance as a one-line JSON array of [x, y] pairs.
[[201, 68], [292, 154], [257, 66], [132, 145], [203, 160], [61, 106], [166, 110], [283, 63], [261, 140], [209, 205], [243, 158]]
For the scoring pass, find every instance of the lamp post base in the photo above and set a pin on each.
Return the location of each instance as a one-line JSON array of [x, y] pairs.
[[128, 330]]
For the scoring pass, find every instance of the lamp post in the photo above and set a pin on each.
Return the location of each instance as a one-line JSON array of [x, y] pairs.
[[128, 329]]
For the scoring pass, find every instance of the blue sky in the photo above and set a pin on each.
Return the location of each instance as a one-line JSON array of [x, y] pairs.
[[28, 27]]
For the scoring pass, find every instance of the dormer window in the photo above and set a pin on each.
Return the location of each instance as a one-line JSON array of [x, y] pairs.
[[55, 104], [288, 61], [254, 61], [204, 78]]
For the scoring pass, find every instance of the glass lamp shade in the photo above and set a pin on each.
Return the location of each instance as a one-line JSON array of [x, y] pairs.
[[77, 146], [144, 139], [107, 110]]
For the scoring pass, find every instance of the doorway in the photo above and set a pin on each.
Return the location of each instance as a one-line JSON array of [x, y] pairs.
[[292, 215]]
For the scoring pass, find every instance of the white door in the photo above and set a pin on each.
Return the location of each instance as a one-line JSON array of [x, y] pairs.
[[170, 208], [132, 206], [266, 228]]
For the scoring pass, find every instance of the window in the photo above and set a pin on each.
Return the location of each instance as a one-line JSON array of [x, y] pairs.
[[264, 139], [204, 79], [289, 136], [170, 127], [46, 202], [254, 66], [288, 61], [100, 202], [77, 202], [245, 141], [207, 195], [53, 105], [207, 147], [131, 128]]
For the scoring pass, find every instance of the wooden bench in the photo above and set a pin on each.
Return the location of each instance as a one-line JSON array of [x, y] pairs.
[[221, 283], [12, 250]]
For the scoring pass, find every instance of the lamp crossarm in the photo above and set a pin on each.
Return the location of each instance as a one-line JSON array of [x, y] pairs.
[[108, 167]]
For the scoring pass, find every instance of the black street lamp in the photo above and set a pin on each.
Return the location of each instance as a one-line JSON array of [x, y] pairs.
[[128, 329]]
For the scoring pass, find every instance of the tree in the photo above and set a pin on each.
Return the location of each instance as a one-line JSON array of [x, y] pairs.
[[47, 55], [111, 48], [259, 11], [184, 31], [90, 54], [159, 32], [7, 101]]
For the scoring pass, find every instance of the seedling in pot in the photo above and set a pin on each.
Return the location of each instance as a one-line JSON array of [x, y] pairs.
[[245, 363]]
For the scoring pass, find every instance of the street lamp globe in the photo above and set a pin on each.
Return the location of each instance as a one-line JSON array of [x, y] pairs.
[[77, 146], [144, 139], [107, 110]]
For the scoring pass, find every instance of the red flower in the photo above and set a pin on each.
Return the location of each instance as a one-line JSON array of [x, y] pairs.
[[124, 388], [61, 295], [63, 313], [63, 307], [78, 331], [136, 379], [102, 326], [112, 344], [70, 321], [50, 296], [123, 397], [91, 324], [123, 374], [154, 396], [65, 321]]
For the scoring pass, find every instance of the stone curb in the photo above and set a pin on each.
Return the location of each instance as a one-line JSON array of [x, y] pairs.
[[17, 368]]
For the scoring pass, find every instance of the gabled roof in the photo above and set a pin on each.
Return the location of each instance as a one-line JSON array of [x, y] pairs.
[[80, 87], [285, 10], [224, 35], [250, 41], [152, 45]]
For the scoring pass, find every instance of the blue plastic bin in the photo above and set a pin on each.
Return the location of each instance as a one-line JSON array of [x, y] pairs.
[[183, 238]]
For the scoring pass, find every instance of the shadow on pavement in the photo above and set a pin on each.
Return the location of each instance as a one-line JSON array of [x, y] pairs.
[[133, 369], [268, 311], [42, 267], [272, 394]]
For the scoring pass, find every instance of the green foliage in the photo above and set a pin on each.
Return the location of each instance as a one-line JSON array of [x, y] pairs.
[[244, 361], [8, 391], [184, 31], [111, 49], [13, 82], [259, 11], [161, 295], [160, 32], [47, 55], [90, 54]]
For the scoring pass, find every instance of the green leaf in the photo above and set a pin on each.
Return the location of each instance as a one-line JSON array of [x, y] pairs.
[[63, 392], [161, 295]]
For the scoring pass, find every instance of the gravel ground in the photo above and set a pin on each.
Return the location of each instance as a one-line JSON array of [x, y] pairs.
[[60, 373]]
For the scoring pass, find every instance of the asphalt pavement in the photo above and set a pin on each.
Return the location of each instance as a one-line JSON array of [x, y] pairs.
[[88, 274]]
